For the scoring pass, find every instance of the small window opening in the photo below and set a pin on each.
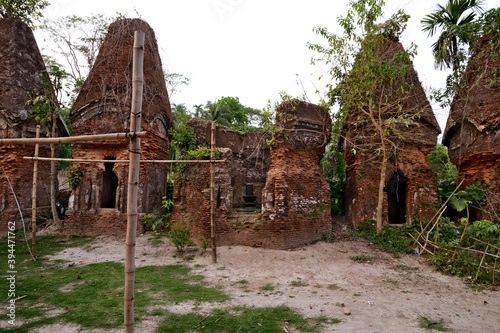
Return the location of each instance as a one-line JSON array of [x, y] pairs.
[[396, 198], [109, 186]]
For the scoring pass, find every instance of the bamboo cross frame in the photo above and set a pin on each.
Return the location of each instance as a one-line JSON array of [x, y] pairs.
[[34, 158], [71, 139]]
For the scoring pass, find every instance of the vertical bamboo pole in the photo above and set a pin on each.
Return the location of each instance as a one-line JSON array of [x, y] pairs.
[[482, 260], [33, 197], [133, 179], [212, 195]]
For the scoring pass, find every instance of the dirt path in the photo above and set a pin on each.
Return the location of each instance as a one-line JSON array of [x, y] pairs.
[[387, 294]]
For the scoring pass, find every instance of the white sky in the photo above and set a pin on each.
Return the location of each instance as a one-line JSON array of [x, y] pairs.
[[252, 49]]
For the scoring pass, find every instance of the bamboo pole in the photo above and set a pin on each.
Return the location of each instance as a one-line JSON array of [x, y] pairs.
[[117, 161], [33, 197], [212, 194], [482, 260], [133, 180], [71, 139]]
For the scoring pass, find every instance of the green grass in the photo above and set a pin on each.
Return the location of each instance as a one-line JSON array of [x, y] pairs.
[[92, 295], [267, 287], [241, 319], [431, 324], [407, 268], [298, 283], [361, 258]]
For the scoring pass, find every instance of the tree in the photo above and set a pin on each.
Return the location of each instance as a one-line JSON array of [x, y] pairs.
[[24, 10], [76, 40], [181, 114], [439, 162], [455, 21], [239, 116], [198, 110], [174, 81], [369, 85], [46, 111], [217, 113]]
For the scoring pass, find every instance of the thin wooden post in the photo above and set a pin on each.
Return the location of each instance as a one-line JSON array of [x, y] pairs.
[[71, 139], [33, 197], [482, 260], [212, 194], [133, 180]]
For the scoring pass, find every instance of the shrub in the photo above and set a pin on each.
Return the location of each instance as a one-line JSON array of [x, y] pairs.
[[179, 235], [150, 221], [204, 243]]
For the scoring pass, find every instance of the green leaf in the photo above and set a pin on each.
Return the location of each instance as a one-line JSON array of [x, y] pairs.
[[458, 204]]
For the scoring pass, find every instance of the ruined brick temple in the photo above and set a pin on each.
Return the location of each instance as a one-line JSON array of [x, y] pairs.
[[411, 188], [289, 199], [98, 203], [22, 75], [472, 132]]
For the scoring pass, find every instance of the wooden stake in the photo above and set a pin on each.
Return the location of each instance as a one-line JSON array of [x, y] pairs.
[[482, 260], [70, 139], [133, 179], [33, 197], [212, 194]]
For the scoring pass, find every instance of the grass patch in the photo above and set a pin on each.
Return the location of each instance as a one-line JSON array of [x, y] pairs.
[[407, 268], [267, 287], [241, 319], [298, 283], [361, 258], [242, 282], [430, 324], [92, 295]]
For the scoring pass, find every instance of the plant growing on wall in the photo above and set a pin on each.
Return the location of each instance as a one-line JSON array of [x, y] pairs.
[[369, 85], [74, 175]]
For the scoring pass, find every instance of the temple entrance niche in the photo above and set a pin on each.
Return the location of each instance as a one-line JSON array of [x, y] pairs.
[[396, 198], [109, 186]]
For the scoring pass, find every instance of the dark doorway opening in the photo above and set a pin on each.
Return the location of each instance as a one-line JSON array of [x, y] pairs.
[[396, 198], [109, 186]]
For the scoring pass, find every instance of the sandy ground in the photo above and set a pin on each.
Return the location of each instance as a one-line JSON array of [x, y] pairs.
[[387, 294]]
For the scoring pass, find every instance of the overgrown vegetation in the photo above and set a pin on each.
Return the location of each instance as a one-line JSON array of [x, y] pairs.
[[74, 175], [151, 222], [390, 239], [464, 249]]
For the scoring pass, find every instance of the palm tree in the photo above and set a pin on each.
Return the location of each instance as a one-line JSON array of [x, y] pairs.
[[217, 113], [454, 21]]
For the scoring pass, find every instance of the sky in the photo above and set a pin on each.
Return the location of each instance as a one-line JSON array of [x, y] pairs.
[[253, 49]]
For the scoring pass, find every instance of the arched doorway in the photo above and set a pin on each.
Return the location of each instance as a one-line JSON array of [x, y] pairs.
[[109, 186], [396, 198]]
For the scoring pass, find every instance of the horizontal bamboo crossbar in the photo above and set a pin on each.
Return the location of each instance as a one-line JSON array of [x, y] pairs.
[[118, 161], [70, 139]]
